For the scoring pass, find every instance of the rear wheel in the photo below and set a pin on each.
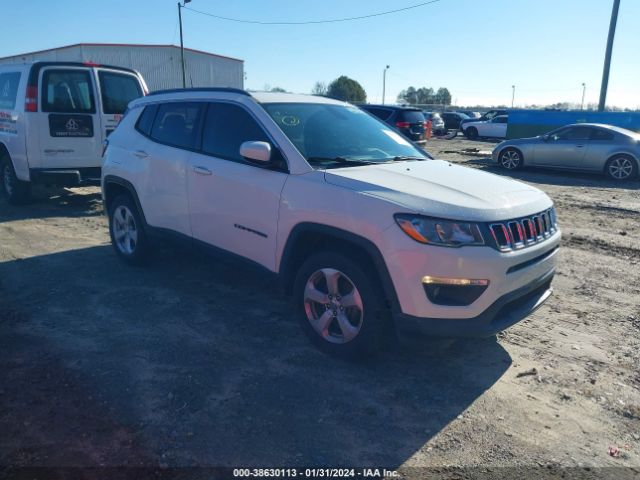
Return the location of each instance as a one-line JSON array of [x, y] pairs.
[[621, 167], [471, 133], [126, 230], [14, 190], [511, 159], [339, 306]]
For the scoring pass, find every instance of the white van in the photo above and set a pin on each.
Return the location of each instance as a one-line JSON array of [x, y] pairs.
[[54, 118]]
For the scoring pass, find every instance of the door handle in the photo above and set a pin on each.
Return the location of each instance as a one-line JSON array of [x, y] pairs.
[[141, 154], [579, 146], [202, 170]]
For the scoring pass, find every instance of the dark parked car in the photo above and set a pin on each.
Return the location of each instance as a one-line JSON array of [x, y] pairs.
[[485, 117], [437, 123], [452, 119], [407, 120]]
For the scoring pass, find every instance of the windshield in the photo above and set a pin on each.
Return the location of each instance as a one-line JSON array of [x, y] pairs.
[[333, 135]]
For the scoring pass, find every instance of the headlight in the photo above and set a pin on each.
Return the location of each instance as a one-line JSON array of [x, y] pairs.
[[448, 233]]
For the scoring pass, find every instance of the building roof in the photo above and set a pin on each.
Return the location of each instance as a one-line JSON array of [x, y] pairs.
[[120, 45]]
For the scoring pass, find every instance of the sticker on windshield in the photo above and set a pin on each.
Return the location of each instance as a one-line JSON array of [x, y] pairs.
[[396, 137]]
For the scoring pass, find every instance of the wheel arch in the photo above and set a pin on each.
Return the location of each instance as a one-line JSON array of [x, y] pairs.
[[307, 238], [114, 185], [621, 153]]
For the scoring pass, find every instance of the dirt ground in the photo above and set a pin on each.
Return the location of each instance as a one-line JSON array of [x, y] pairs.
[[188, 362]]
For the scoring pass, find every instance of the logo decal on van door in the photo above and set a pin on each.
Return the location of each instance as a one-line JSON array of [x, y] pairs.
[[63, 125]]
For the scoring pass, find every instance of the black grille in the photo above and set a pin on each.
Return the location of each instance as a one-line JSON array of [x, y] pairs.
[[523, 232]]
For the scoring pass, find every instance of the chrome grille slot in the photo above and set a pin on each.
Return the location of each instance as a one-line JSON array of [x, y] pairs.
[[523, 232], [517, 236]]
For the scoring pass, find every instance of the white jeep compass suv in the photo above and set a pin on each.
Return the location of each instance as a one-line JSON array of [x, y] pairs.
[[367, 232]]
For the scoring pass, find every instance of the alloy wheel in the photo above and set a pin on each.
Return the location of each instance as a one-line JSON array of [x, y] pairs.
[[620, 168], [510, 159], [125, 231], [333, 305]]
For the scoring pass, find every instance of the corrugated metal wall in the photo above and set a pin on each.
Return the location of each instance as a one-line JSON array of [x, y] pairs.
[[529, 123], [159, 65]]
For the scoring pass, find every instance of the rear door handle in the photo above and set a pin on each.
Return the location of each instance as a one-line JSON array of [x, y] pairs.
[[579, 146], [201, 170], [141, 154]]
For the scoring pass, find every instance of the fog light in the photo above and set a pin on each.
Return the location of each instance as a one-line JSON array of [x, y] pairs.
[[453, 291]]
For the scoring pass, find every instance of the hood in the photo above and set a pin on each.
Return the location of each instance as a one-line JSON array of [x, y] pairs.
[[440, 189]]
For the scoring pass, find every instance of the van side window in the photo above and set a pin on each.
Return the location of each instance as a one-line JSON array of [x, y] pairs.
[[67, 91], [176, 124], [117, 90], [9, 89], [226, 128], [145, 121]]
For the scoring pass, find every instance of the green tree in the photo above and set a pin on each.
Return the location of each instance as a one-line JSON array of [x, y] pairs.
[[278, 90], [347, 89], [443, 96]]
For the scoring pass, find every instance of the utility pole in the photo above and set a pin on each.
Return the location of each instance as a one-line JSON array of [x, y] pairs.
[[607, 56], [513, 94], [584, 88], [384, 81], [184, 75]]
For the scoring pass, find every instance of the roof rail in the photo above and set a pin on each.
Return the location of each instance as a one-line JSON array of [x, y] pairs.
[[202, 89]]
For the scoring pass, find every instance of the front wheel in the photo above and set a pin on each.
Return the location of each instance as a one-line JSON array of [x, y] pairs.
[[127, 232], [621, 167], [14, 190], [510, 159], [340, 307], [471, 133]]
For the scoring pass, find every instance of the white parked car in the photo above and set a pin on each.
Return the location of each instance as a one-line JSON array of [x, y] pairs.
[[366, 232], [54, 117], [494, 128]]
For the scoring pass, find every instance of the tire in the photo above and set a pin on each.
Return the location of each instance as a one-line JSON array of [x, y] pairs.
[[621, 167], [14, 190], [471, 133], [511, 159], [126, 230], [340, 307]]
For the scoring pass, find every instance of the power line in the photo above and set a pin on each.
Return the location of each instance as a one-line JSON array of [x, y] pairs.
[[310, 22]]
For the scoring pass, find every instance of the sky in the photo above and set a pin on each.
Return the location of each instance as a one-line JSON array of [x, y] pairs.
[[477, 49]]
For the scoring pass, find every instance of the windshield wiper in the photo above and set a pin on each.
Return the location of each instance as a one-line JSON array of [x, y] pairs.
[[404, 158], [340, 160]]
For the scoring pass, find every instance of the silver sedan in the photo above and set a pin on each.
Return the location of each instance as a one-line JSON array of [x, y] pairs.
[[591, 147]]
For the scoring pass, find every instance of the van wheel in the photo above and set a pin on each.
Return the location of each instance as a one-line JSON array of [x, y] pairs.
[[127, 232], [471, 133], [14, 190], [340, 307]]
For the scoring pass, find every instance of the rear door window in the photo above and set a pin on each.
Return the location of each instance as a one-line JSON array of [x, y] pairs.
[[67, 91], [176, 124], [117, 90], [381, 113], [411, 116], [9, 89]]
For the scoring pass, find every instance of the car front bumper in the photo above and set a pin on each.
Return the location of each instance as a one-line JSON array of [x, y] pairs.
[[503, 313], [519, 281]]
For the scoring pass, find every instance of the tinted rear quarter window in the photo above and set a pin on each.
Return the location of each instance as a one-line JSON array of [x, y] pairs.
[[176, 124], [411, 116], [381, 113], [67, 91], [145, 121], [9, 89], [117, 90]]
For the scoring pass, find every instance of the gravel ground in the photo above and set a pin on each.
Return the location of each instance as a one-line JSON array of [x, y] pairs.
[[189, 362]]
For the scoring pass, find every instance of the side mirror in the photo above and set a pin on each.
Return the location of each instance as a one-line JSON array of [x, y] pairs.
[[256, 151]]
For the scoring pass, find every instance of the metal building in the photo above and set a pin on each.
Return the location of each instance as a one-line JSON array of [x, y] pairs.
[[160, 65]]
